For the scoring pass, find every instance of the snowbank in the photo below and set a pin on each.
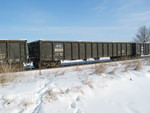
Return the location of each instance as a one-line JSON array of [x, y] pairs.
[[119, 88]]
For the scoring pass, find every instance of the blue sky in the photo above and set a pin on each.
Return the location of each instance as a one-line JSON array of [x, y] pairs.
[[86, 20]]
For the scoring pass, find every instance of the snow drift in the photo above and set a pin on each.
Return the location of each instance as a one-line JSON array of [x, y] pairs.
[[122, 87]]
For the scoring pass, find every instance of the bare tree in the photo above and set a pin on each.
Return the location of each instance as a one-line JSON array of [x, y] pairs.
[[143, 35]]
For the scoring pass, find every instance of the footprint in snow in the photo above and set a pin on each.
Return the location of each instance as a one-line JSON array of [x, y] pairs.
[[77, 111], [78, 99], [73, 105]]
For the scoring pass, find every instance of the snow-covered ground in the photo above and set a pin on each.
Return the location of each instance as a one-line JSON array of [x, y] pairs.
[[122, 87]]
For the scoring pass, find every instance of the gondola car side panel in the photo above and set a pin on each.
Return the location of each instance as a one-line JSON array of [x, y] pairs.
[[129, 49], [3, 51], [119, 49], [17, 51], [82, 50], [123, 49], [75, 51], [94, 50], [114, 49], [88, 50], [100, 50], [105, 50], [58, 51], [67, 51], [110, 48], [46, 51], [13, 51]]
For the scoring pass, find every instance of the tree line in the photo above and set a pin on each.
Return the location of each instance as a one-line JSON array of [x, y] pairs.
[[142, 35]]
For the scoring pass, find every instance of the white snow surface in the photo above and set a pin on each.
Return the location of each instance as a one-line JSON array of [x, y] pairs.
[[120, 88]]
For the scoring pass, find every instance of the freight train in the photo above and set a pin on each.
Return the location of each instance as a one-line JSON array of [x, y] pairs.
[[45, 53], [13, 52]]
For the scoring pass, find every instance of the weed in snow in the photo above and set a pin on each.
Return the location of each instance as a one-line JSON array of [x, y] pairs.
[[7, 78], [7, 68], [62, 73], [126, 68], [88, 82], [27, 104], [76, 89], [77, 69], [138, 66], [113, 71], [51, 94], [9, 102], [99, 69], [59, 73]]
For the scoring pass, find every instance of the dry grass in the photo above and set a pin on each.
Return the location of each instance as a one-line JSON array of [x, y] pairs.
[[7, 78], [88, 82], [114, 71], [62, 73], [100, 69], [51, 95], [7, 68], [138, 66], [78, 88], [127, 63], [27, 104], [9, 102], [77, 69], [59, 73], [7, 73], [127, 67]]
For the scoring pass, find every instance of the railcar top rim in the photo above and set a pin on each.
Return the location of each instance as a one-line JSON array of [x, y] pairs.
[[13, 40], [80, 41]]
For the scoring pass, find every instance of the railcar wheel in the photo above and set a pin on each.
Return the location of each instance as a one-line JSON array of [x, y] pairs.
[[96, 58], [114, 58], [84, 59], [36, 64]]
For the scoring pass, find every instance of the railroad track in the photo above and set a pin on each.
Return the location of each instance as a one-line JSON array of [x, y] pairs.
[[88, 63]]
